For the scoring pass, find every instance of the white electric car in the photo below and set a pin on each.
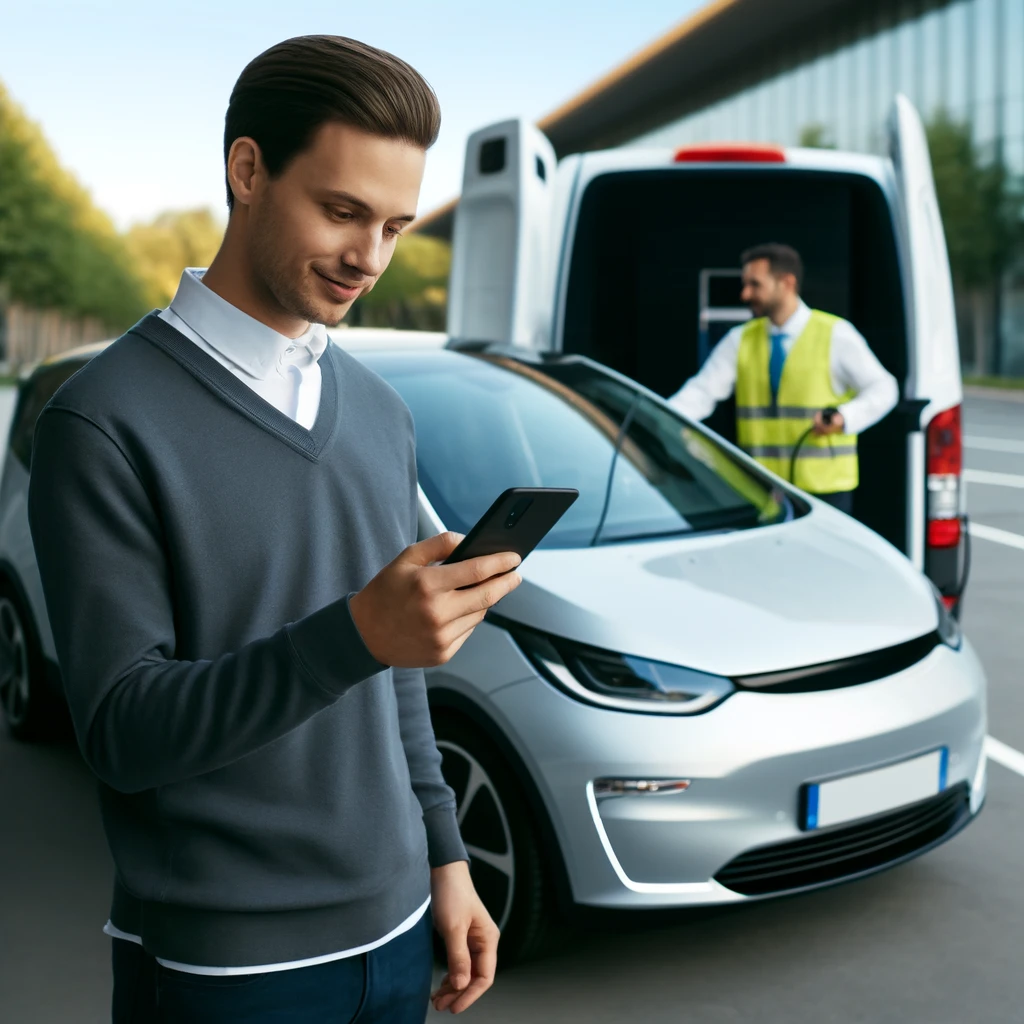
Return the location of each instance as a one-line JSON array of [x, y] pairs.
[[710, 687]]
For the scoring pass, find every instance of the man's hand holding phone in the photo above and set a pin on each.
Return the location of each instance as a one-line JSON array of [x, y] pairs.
[[413, 614]]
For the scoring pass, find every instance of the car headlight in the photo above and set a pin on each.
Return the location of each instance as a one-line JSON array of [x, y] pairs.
[[949, 628], [621, 681]]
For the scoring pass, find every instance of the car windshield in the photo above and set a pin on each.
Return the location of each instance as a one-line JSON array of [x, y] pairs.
[[485, 423]]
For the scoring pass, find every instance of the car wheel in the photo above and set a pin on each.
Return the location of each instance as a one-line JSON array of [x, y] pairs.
[[29, 709], [500, 836]]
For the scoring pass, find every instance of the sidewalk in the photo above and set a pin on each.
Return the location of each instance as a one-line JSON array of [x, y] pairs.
[[1005, 394]]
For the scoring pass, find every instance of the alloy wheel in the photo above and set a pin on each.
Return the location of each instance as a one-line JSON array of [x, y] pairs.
[[14, 666], [484, 828]]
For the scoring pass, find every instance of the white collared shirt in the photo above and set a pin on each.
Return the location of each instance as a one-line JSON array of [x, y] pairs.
[[283, 371], [854, 367]]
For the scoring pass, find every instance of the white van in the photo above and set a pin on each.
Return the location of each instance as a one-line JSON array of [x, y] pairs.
[[614, 254]]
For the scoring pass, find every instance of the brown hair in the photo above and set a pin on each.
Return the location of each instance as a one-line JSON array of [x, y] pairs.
[[782, 259], [283, 96]]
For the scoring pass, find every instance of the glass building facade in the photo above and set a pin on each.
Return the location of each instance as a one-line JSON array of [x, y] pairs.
[[965, 58]]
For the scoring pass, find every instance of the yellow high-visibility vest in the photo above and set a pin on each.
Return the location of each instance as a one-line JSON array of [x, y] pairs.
[[769, 431]]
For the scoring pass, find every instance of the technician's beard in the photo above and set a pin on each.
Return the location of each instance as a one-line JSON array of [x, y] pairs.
[[771, 309]]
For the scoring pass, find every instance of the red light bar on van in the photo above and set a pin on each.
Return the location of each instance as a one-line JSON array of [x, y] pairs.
[[730, 153]]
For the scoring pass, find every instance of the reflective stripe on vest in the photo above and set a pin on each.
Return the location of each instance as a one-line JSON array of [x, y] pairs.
[[770, 431], [772, 412], [781, 451]]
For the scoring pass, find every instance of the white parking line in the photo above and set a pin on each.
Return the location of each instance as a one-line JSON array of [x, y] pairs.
[[983, 476], [1004, 755], [994, 444], [993, 533]]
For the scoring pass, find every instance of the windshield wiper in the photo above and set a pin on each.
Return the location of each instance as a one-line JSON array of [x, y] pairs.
[[623, 430]]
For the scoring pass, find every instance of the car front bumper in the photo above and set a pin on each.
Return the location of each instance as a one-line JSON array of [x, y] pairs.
[[747, 760]]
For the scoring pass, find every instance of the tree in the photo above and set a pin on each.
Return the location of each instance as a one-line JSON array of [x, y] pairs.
[[816, 136], [57, 249], [981, 212], [165, 246], [979, 203]]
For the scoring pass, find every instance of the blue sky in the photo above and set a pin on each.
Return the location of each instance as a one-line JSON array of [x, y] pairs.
[[132, 95]]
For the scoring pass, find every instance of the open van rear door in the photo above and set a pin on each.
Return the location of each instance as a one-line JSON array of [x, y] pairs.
[[500, 288], [936, 509]]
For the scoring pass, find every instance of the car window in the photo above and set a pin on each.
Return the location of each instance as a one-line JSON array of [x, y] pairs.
[[487, 423], [33, 394]]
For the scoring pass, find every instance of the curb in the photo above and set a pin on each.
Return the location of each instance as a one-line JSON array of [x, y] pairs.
[[1005, 394]]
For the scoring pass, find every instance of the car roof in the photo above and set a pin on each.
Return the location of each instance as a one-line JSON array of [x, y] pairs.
[[78, 352]]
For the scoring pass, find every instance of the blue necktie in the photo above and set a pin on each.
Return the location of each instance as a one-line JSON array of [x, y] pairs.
[[775, 363]]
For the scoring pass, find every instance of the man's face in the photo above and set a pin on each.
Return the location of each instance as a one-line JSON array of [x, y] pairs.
[[321, 233], [763, 292]]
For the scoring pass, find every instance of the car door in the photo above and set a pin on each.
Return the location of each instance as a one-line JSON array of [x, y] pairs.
[[935, 495], [17, 555], [500, 285]]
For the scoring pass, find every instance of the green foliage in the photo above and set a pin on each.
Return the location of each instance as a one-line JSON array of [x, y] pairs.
[[164, 247], [57, 250], [979, 201], [1006, 383], [413, 291], [816, 136]]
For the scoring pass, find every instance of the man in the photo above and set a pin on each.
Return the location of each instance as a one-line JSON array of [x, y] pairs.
[[787, 366], [224, 511]]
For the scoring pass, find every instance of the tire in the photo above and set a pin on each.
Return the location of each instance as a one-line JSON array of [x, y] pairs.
[[30, 708], [500, 835]]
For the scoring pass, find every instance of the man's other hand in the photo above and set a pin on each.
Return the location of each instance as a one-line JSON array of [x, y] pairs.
[[821, 428], [470, 937], [412, 614]]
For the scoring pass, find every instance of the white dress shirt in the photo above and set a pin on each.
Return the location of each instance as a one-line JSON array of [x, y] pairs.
[[285, 372], [854, 367]]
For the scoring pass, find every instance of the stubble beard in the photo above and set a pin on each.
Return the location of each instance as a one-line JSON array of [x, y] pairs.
[[277, 281]]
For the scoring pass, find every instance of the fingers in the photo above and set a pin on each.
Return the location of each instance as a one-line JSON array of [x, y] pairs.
[[476, 570], [460, 964], [459, 633], [463, 1000], [482, 949], [447, 997], [444, 996], [483, 596], [433, 549], [485, 963]]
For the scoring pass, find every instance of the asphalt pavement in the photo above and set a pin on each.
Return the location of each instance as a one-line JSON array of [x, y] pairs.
[[937, 940]]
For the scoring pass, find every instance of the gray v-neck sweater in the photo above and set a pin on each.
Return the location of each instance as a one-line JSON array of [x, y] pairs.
[[270, 792]]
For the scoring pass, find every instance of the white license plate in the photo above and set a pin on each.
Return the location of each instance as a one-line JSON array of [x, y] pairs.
[[876, 791]]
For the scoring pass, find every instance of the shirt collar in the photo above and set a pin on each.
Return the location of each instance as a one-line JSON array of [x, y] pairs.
[[251, 345], [795, 324]]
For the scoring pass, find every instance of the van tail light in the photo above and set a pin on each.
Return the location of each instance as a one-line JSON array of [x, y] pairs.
[[730, 153], [945, 468]]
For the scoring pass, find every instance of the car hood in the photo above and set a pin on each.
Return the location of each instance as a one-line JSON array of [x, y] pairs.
[[816, 589]]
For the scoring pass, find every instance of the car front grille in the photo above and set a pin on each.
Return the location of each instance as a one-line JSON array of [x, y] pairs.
[[847, 852], [833, 675]]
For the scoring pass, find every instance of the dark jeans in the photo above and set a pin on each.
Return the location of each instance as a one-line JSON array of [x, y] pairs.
[[842, 500], [389, 985]]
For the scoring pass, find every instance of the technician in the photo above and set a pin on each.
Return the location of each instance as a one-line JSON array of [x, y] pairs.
[[806, 382]]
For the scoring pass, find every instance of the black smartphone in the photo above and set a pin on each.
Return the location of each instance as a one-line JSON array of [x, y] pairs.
[[517, 521]]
